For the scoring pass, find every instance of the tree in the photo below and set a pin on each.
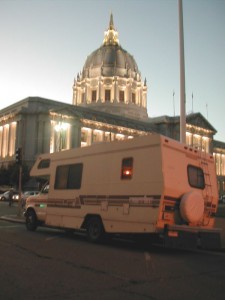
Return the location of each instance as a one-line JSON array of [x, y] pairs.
[[4, 176], [10, 176]]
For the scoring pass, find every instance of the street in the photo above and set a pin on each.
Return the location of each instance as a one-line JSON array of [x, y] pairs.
[[52, 264]]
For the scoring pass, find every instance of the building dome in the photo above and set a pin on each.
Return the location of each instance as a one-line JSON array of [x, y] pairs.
[[110, 80], [111, 60]]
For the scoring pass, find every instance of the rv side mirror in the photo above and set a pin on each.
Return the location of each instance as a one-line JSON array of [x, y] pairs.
[[45, 190]]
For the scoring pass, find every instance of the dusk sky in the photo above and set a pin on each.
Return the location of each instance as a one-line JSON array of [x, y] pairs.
[[44, 44]]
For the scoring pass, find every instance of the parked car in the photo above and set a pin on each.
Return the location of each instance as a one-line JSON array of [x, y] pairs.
[[222, 199], [5, 196], [15, 197]]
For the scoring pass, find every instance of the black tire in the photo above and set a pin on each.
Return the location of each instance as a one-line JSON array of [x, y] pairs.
[[31, 220], [95, 230]]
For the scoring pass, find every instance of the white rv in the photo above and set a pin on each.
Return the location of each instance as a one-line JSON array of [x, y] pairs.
[[146, 185]]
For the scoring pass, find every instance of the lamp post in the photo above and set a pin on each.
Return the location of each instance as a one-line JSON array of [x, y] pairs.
[[19, 162]]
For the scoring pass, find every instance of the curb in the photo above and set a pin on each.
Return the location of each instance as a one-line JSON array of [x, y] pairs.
[[13, 219]]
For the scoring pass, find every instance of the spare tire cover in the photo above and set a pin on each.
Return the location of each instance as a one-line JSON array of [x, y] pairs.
[[192, 207]]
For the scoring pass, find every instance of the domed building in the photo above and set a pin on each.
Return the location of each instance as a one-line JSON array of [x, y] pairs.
[[111, 81]]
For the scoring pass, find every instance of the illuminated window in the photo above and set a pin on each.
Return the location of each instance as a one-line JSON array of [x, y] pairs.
[[108, 137], [197, 141], [61, 136], [119, 137], [220, 163], [1, 131], [223, 164], [188, 138], [127, 168], [12, 138], [97, 136], [107, 95], [5, 140], [205, 144], [86, 136]]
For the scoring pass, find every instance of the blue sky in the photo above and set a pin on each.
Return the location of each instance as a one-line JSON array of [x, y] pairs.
[[44, 44]]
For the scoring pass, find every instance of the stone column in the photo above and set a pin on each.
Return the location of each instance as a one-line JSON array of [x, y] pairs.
[[75, 134], [43, 134], [47, 135]]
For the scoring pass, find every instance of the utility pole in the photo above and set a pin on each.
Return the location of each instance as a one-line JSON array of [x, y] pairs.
[[20, 191], [182, 76]]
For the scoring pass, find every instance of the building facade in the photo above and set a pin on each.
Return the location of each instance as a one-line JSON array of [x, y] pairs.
[[39, 125], [109, 103], [219, 157]]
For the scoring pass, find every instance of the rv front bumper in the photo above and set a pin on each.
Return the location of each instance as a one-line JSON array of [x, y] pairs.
[[186, 237]]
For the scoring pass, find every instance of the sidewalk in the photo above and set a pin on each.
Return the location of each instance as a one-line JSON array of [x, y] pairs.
[[13, 218], [11, 214]]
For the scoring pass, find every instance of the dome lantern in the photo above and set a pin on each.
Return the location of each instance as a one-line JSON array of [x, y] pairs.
[[111, 35]]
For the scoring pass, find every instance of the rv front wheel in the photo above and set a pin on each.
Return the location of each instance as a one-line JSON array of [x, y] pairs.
[[95, 230], [31, 220]]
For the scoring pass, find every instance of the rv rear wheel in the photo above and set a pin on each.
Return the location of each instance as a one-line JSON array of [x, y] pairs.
[[31, 220], [95, 230]]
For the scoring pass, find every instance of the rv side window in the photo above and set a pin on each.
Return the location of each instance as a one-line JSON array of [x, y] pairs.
[[68, 177], [196, 177], [127, 168], [44, 163]]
